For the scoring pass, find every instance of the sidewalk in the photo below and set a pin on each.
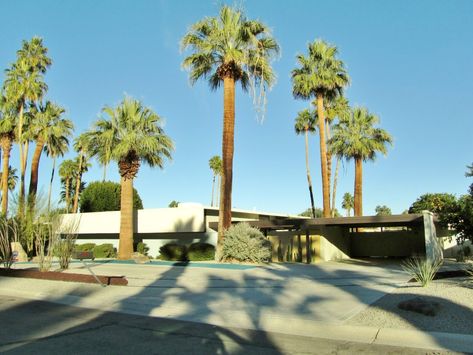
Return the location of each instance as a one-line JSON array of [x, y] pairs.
[[301, 300]]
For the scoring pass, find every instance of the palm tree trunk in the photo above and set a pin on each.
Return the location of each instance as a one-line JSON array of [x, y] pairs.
[[309, 180], [225, 210], [334, 191], [23, 164], [329, 159], [35, 171], [217, 193], [6, 146], [78, 182], [213, 189], [104, 172], [125, 247], [323, 156], [51, 183], [68, 198], [358, 187]]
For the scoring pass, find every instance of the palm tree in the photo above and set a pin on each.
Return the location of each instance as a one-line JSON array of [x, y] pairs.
[[56, 146], [138, 137], [101, 136], [215, 164], [12, 178], [337, 107], [305, 123], [320, 75], [227, 49], [47, 128], [347, 203], [67, 171], [25, 84], [82, 145], [7, 137], [357, 138]]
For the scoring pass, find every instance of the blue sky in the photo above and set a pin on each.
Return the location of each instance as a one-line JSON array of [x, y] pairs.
[[409, 61]]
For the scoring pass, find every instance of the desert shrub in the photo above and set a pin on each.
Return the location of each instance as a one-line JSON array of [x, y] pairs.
[[142, 248], [421, 269], [8, 234], [201, 252], [245, 243], [105, 196], [85, 247], [104, 251], [173, 251]]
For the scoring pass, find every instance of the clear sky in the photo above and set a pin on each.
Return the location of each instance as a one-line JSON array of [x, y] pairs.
[[410, 62]]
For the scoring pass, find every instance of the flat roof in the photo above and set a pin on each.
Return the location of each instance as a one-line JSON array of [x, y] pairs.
[[350, 222]]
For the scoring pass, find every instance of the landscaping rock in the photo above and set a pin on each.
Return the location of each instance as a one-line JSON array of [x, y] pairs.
[[421, 306], [140, 258]]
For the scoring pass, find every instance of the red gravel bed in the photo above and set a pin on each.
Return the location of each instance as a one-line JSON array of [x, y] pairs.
[[64, 276]]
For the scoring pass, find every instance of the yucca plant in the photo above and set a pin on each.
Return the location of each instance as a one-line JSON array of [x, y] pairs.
[[422, 269]]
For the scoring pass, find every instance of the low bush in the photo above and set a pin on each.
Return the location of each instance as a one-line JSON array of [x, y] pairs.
[[245, 244], [421, 269], [142, 248], [201, 252], [104, 251], [85, 247], [173, 251]]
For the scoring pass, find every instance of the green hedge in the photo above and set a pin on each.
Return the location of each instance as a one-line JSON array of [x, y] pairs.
[[101, 196], [174, 252], [201, 252], [84, 247], [105, 251]]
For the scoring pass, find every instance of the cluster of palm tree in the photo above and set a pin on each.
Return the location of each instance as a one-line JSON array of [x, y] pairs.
[[25, 118], [230, 48], [344, 132]]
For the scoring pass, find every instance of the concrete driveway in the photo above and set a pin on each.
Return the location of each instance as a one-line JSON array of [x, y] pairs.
[[287, 298]]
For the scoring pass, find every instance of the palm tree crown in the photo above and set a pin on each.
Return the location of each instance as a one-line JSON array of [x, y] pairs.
[[356, 137], [305, 122], [319, 73], [230, 45]]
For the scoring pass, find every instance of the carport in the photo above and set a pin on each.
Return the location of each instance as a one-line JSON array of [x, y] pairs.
[[322, 239]]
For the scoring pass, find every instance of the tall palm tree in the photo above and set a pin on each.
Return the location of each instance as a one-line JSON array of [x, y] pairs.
[[320, 75], [25, 84], [67, 171], [82, 145], [48, 127], [138, 137], [227, 49], [357, 138], [7, 137], [347, 202], [215, 164], [305, 124], [336, 107]]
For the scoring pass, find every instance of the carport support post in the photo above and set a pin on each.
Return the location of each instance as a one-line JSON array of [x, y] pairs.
[[433, 249], [307, 247]]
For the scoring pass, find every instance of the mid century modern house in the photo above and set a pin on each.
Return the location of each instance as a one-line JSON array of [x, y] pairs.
[[293, 238]]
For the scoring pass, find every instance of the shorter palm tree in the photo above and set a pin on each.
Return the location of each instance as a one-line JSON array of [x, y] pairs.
[[215, 164], [347, 202], [357, 138], [12, 178], [305, 124], [7, 137], [82, 145], [67, 171], [137, 137]]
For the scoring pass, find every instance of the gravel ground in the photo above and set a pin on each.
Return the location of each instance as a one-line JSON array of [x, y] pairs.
[[455, 296]]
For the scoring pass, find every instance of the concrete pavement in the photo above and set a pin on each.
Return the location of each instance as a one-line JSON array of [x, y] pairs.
[[36, 327], [292, 299]]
